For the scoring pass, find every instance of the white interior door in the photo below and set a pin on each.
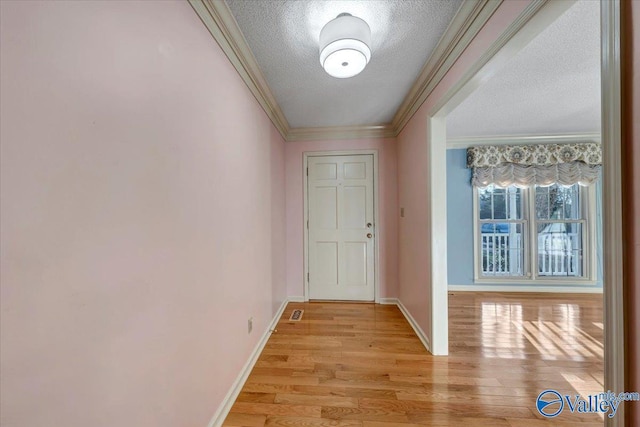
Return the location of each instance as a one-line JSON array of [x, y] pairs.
[[341, 227]]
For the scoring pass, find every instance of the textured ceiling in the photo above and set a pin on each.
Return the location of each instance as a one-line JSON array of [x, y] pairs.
[[552, 86], [283, 36]]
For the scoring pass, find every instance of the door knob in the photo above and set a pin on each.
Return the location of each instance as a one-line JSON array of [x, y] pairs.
[[369, 235]]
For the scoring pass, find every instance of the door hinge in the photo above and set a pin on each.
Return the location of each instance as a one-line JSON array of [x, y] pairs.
[[307, 223], [307, 277], [307, 171]]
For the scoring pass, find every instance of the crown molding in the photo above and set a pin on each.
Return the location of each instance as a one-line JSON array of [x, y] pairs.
[[219, 20], [520, 32], [341, 132], [470, 141], [467, 23]]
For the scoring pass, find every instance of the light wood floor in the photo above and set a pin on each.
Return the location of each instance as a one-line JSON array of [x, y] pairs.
[[362, 365]]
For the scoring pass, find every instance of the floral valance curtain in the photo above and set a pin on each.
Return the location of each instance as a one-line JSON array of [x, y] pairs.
[[529, 165]]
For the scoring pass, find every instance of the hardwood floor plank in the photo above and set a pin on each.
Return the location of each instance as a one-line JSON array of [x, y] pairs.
[[244, 420], [546, 423], [361, 365], [309, 422], [446, 420], [388, 424], [248, 396], [276, 409], [306, 399], [287, 379], [452, 407], [364, 414]]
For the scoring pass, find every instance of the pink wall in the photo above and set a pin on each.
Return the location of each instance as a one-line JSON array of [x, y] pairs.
[[278, 222], [414, 288], [631, 197], [142, 216], [139, 178], [388, 209], [414, 251]]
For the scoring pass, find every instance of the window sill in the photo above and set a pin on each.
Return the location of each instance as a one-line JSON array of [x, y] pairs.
[[564, 288], [551, 282]]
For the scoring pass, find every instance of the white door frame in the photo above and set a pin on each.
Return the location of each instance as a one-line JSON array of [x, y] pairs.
[[530, 22], [376, 216]]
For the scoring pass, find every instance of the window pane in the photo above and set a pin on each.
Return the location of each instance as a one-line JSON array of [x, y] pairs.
[[557, 202], [560, 249], [571, 196], [502, 248], [542, 202], [500, 203], [485, 202], [518, 203]]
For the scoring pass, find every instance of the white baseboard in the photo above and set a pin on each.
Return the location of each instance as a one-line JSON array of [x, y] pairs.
[[525, 288], [416, 328], [228, 401]]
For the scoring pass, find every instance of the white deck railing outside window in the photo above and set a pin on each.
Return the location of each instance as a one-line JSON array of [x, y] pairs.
[[559, 254], [501, 254]]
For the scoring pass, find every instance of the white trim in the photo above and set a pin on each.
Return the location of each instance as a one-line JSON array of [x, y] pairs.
[[592, 219], [416, 328], [228, 401], [530, 259], [219, 20], [517, 288], [470, 141], [341, 132], [539, 281], [296, 299], [466, 24], [614, 324], [412, 322], [437, 234], [468, 21], [532, 21], [305, 234], [376, 213]]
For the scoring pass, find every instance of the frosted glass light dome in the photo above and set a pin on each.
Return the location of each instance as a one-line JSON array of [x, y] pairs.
[[345, 46]]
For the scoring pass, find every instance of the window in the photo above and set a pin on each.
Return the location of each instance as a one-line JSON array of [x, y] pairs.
[[559, 228], [538, 233], [502, 228]]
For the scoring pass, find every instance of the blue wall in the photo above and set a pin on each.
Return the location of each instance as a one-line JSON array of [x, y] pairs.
[[460, 221]]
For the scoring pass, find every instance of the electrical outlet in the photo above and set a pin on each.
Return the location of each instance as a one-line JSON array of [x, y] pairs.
[[250, 325]]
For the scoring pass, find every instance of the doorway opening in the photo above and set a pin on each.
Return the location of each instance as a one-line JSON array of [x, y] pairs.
[[534, 19]]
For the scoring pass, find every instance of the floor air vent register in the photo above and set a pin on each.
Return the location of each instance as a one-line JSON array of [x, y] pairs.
[[296, 315]]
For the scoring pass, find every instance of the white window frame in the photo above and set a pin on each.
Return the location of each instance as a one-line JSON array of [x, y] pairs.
[[530, 262]]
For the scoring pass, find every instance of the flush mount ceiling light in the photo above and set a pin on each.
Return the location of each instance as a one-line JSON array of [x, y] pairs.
[[344, 46]]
